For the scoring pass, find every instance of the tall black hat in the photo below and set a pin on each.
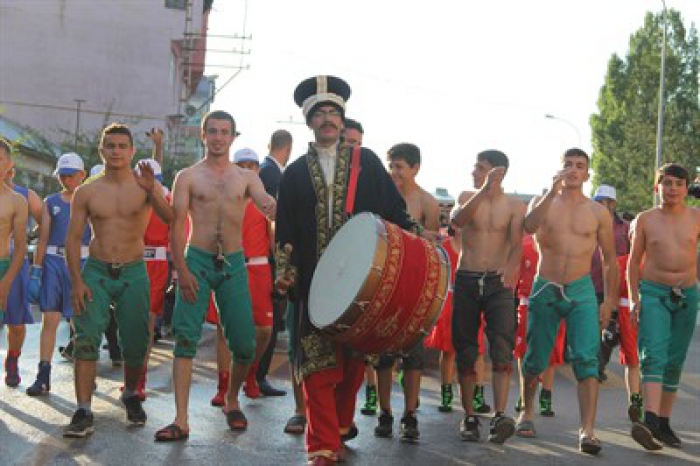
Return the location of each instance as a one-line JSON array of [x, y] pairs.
[[321, 90]]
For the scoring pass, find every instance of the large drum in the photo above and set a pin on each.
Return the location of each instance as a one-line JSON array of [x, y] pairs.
[[378, 288]]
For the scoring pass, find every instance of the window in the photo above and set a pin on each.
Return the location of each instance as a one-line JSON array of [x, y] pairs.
[[176, 4]]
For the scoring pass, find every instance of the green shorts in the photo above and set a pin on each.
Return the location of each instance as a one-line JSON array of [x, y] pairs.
[[4, 265], [229, 282], [666, 326], [128, 288], [576, 303]]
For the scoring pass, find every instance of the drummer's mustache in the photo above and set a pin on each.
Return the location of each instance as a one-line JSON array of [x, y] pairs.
[[329, 124]]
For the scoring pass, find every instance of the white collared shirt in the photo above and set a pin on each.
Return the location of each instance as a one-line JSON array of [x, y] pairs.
[[279, 165], [327, 157]]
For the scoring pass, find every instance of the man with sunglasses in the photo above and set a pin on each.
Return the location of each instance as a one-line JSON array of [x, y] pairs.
[[664, 299]]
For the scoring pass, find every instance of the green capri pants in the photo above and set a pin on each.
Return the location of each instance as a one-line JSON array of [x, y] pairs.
[[575, 303], [228, 279], [128, 288], [4, 265], [666, 326]]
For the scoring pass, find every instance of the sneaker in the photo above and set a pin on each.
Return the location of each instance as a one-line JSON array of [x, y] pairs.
[[12, 377], [81, 425], [546, 403], [408, 429], [385, 427], [667, 436], [446, 401], [469, 429], [370, 407], [635, 410], [134, 411], [42, 384], [502, 428], [479, 401], [645, 435]]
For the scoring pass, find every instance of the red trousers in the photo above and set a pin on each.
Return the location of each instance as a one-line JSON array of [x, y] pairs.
[[330, 396]]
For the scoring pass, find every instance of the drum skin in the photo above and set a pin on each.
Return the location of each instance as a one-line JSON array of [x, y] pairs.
[[401, 297]]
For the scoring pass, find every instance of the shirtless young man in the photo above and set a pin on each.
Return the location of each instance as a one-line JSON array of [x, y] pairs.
[[404, 163], [492, 229], [213, 193], [114, 272], [664, 297], [13, 224], [568, 226]]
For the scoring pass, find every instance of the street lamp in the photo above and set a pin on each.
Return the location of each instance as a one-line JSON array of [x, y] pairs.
[[575, 128], [662, 83]]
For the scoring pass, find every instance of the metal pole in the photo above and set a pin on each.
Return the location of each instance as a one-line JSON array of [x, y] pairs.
[[662, 84], [575, 128], [77, 123]]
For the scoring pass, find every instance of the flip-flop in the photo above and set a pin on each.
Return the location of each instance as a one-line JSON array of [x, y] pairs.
[[525, 429], [172, 433], [589, 444], [295, 425], [236, 420]]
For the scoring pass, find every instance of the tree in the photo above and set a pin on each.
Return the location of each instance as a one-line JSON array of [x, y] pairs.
[[624, 129]]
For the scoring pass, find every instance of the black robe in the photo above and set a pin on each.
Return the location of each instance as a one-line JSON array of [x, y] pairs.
[[302, 222]]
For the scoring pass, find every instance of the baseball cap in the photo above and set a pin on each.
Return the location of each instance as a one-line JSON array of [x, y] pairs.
[[605, 191], [97, 169], [68, 164], [245, 155]]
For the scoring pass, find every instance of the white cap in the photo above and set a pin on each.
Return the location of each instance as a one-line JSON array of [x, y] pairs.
[[605, 191], [97, 169], [245, 155], [157, 170], [69, 164]]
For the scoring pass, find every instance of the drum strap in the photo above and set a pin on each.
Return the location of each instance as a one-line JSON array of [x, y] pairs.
[[352, 186]]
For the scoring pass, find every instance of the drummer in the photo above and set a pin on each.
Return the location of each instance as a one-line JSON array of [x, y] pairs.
[[404, 163], [313, 199], [492, 227]]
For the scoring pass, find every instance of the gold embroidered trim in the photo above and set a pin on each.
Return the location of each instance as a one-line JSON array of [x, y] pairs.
[[319, 354]]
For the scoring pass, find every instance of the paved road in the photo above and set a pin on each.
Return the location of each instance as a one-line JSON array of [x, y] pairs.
[[30, 429]]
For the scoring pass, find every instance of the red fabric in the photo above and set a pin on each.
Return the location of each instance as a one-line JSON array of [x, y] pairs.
[[352, 186], [158, 273], [330, 397], [557, 356], [212, 311], [157, 231], [255, 234], [260, 288], [440, 336], [528, 266], [629, 355]]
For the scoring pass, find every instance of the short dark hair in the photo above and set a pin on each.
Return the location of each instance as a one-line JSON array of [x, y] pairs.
[[576, 152], [5, 144], [219, 115], [494, 157], [354, 124], [410, 153], [116, 128], [280, 138], [673, 169]]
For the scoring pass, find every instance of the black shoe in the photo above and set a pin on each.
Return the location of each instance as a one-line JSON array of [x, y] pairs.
[[644, 434], [351, 434], [502, 428], [67, 351], [268, 390], [667, 436], [385, 427], [134, 411], [42, 384], [81, 425], [408, 429], [469, 429]]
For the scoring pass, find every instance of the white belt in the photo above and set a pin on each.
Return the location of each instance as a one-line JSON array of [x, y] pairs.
[[155, 253], [524, 301], [258, 260], [61, 251], [624, 302]]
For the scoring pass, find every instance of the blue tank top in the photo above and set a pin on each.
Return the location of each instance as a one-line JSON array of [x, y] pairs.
[[24, 192], [59, 211]]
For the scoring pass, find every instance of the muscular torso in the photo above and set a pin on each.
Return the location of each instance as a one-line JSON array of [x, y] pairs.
[[567, 238], [485, 238], [671, 247], [419, 204], [217, 200], [118, 213], [9, 202]]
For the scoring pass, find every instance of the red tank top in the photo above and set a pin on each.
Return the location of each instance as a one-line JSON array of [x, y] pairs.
[[528, 266], [157, 231], [256, 237]]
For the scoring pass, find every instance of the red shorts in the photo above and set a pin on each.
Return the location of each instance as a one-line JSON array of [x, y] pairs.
[[629, 355], [158, 273], [557, 357], [260, 287], [440, 337]]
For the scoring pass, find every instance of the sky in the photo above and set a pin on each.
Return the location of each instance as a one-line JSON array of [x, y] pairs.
[[454, 77]]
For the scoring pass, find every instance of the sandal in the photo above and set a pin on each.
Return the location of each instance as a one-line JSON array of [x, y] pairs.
[[296, 425], [172, 433], [525, 429], [589, 444], [236, 420]]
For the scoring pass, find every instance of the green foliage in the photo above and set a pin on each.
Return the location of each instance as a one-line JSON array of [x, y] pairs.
[[624, 129]]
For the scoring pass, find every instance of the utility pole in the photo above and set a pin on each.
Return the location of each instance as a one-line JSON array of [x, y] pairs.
[[662, 104], [77, 122]]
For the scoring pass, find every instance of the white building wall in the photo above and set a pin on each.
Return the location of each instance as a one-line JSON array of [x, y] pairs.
[[115, 55]]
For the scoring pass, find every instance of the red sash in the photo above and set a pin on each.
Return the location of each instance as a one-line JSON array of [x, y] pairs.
[[352, 186]]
